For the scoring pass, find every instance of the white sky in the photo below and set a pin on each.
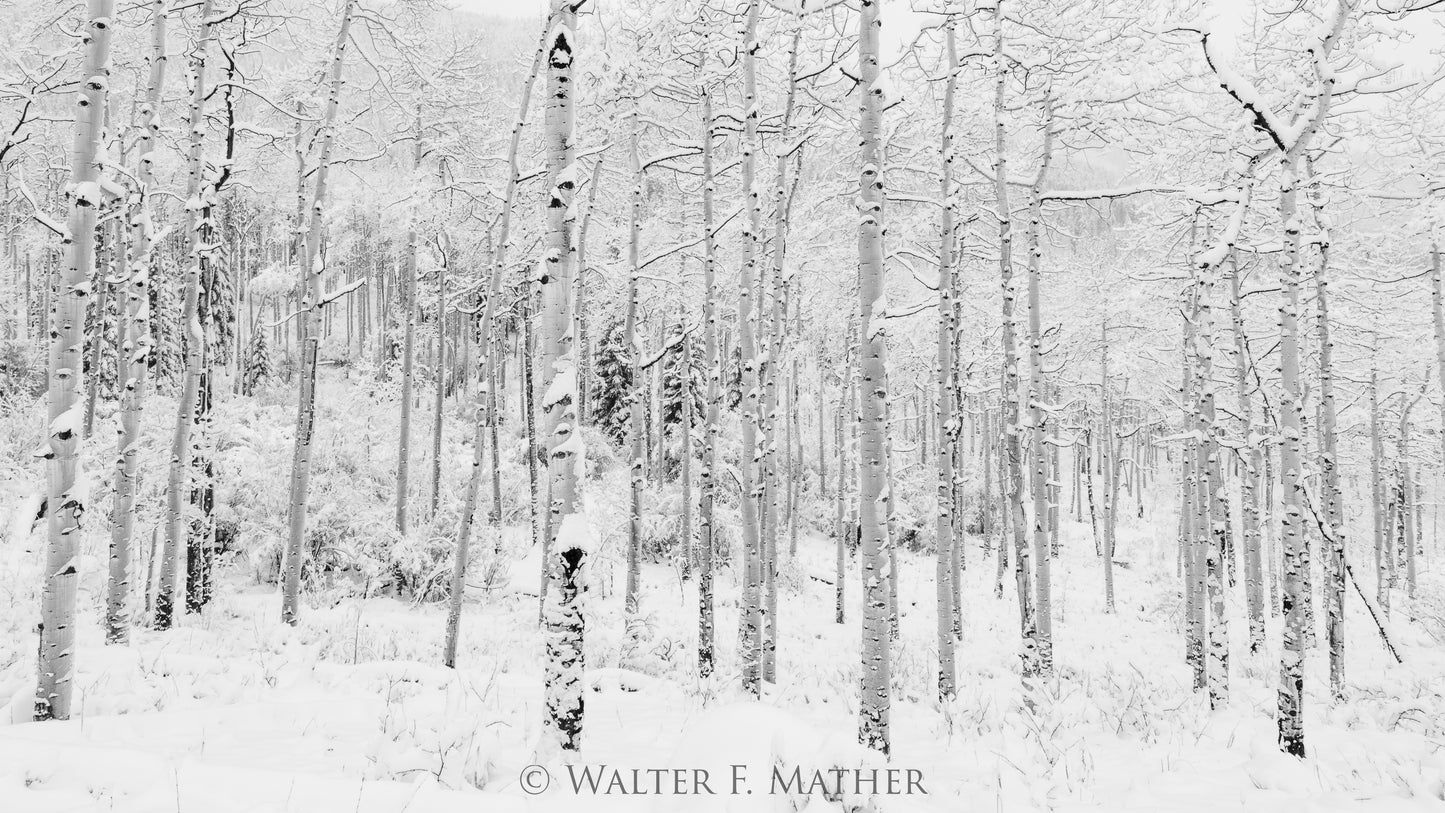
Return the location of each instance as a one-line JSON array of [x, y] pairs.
[[526, 9]]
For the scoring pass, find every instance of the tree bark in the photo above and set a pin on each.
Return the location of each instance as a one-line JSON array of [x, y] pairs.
[[873, 484], [177, 487], [135, 351], [56, 666], [310, 297], [565, 619]]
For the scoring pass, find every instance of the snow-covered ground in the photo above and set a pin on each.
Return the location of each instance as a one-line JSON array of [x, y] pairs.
[[351, 711]]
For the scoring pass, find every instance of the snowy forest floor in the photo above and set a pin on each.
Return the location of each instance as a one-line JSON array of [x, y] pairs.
[[351, 711]]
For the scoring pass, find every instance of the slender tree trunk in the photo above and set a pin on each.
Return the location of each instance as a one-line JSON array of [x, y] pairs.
[[1291, 687], [177, 488], [685, 454], [636, 427], [1106, 449], [873, 480], [408, 354], [56, 666], [1011, 418], [752, 621], [1038, 482], [1253, 463], [441, 382], [706, 521], [134, 362], [947, 428], [310, 291], [1437, 309]]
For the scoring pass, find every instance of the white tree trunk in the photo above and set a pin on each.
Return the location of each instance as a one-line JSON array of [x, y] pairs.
[[178, 483], [873, 484], [135, 351], [566, 463], [56, 667], [751, 621], [947, 426], [310, 296]]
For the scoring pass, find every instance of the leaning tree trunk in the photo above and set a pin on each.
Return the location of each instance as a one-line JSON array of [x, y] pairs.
[[571, 542], [56, 665], [135, 352], [487, 356], [177, 488], [311, 305], [873, 429]]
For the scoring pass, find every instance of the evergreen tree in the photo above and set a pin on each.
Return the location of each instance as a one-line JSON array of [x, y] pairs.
[[679, 368], [613, 383], [257, 367]]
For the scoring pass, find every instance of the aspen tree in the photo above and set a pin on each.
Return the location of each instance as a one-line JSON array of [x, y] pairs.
[[56, 666], [312, 302], [488, 357], [1291, 141], [873, 469], [439, 397], [1437, 313], [1011, 458], [752, 621], [706, 523], [943, 404], [135, 350], [1038, 463], [1106, 449], [1252, 459], [566, 463], [636, 430], [771, 370], [408, 349], [1332, 493], [177, 485]]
